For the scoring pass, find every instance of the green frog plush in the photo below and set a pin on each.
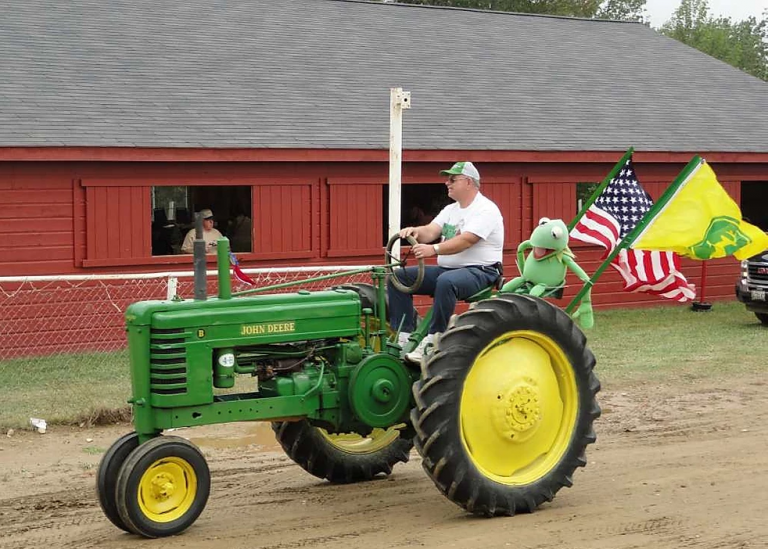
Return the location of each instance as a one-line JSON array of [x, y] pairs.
[[544, 270]]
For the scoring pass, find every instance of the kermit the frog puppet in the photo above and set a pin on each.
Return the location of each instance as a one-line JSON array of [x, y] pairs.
[[544, 270]]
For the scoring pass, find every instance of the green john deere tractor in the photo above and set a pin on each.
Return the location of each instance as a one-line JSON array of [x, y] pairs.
[[501, 410]]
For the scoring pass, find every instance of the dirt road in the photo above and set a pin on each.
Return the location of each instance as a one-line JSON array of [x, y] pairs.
[[675, 466]]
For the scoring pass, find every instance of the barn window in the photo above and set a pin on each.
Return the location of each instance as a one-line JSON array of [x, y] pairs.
[[583, 193], [754, 197], [173, 215], [419, 205]]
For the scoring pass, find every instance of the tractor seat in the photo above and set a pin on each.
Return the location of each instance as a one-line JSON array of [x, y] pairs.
[[555, 292], [485, 293]]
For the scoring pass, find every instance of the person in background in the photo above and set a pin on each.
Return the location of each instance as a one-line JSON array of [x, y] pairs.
[[469, 255], [239, 231], [210, 234], [417, 216]]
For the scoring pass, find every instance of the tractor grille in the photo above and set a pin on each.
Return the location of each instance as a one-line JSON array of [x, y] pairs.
[[758, 272], [168, 361]]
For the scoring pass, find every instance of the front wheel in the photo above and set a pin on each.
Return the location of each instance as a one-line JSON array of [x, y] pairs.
[[162, 487], [762, 317], [343, 457], [106, 477], [505, 406]]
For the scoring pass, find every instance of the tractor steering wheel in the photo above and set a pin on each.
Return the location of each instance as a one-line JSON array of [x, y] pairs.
[[391, 262]]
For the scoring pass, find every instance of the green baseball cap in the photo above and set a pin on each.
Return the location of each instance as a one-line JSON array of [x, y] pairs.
[[463, 168]]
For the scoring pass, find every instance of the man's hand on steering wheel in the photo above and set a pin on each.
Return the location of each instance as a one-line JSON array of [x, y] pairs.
[[422, 251], [391, 261]]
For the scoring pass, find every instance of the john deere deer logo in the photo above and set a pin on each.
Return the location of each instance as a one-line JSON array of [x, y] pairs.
[[723, 237]]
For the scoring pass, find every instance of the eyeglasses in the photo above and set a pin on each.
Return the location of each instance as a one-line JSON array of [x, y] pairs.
[[454, 178]]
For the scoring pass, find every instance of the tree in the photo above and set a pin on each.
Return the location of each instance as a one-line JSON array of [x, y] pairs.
[[630, 10], [622, 10], [743, 44]]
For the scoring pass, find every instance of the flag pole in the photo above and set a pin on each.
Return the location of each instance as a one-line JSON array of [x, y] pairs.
[[619, 165], [604, 265], [638, 229], [702, 304], [671, 191]]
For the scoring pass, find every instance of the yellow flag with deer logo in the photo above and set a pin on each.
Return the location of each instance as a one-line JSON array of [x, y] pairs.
[[699, 220]]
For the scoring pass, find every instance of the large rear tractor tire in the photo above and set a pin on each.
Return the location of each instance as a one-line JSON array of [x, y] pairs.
[[505, 405], [343, 458]]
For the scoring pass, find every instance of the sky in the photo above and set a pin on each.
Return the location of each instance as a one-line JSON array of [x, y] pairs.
[[661, 10]]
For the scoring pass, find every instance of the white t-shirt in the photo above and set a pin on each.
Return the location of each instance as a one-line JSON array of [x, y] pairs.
[[482, 218], [210, 237]]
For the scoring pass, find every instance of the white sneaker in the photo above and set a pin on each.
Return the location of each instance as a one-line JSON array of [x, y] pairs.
[[402, 338], [418, 353]]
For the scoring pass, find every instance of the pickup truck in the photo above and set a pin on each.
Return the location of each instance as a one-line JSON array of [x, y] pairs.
[[752, 287]]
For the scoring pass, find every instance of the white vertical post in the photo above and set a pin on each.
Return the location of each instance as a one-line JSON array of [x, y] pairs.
[[173, 286], [398, 100]]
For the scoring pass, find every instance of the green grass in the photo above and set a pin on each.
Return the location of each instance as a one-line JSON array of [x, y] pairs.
[[72, 388], [631, 345], [673, 343]]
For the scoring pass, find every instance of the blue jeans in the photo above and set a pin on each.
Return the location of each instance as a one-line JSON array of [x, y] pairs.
[[446, 285]]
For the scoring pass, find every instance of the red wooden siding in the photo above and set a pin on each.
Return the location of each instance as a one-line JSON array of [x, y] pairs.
[[356, 224], [507, 197], [35, 221], [555, 201], [305, 213], [117, 224], [283, 221], [526, 210]]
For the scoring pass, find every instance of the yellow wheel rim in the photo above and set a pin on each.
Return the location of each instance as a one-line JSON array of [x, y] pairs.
[[353, 443], [167, 489], [519, 407]]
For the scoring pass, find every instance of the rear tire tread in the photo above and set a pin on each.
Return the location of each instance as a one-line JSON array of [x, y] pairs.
[[436, 415], [314, 453]]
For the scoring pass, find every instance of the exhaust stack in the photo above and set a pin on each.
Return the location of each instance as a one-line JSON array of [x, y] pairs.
[[198, 250]]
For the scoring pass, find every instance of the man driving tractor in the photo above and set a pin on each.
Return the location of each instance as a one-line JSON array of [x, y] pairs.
[[471, 232]]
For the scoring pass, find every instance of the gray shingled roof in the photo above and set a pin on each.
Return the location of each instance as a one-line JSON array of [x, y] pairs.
[[317, 73]]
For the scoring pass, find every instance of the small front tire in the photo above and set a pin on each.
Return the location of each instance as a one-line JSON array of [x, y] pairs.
[[163, 487], [106, 477]]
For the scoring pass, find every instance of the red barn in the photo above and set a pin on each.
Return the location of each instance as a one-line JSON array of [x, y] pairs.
[[118, 121]]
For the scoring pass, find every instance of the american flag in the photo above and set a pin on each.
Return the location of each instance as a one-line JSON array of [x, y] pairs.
[[238, 273], [614, 214]]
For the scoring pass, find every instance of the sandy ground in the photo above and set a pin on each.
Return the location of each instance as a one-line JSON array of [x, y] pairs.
[[675, 466]]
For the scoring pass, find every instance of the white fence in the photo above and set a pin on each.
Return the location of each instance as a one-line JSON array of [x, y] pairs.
[[47, 315], [63, 350]]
